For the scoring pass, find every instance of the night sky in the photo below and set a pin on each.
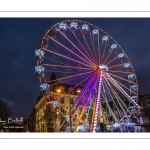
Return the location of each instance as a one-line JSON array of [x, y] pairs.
[[20, 37]]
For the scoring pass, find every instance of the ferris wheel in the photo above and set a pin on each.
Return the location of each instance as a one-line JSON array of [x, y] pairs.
[[83, 55]]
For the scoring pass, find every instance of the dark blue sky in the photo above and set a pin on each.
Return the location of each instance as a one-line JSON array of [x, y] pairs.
[[20, 37]]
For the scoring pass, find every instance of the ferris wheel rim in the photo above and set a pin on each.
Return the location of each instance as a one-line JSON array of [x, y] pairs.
[[41, 63]]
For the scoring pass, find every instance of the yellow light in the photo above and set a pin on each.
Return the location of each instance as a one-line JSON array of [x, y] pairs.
[[78, 90], [58, 90], [21, 118]]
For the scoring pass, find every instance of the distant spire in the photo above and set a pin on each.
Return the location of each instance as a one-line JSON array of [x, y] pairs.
[[53, 76]]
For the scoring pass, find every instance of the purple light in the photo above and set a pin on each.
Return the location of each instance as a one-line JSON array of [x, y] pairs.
[[97, 103], [92, 86], [78, 100]]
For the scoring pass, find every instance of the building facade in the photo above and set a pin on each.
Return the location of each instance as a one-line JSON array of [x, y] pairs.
[[144, 100], [49, 118]]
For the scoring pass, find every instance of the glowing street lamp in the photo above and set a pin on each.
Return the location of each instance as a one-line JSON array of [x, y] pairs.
[[78, 90], [58, 90]]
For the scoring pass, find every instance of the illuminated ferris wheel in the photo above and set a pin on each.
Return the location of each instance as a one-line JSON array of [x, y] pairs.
[[83, 55]]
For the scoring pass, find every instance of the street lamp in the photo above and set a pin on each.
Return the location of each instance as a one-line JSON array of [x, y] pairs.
[[78, 90], [58, 90]]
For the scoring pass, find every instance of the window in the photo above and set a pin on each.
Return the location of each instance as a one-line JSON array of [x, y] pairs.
[[62, 100], [50, 121], [62, 110], [71, 100]]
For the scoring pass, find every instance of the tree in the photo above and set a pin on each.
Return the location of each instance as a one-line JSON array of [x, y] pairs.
[[5, 111]]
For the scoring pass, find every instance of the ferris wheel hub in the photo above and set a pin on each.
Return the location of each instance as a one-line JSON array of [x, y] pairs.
[[103, 67]]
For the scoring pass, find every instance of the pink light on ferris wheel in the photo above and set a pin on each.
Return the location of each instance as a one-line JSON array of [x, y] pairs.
[[97, 103]]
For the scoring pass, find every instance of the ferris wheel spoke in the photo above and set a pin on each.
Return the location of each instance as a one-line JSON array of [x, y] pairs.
[[62, 66], [90, 59], [62, 71], [125, 87], [55, 61], [111, 60], [107, 57], [82, 95], [81, 82], [103, 52], [118, 65], [76, 103], [115, 91], [87, 59], [98, 47], [70, 51], [57, 58], [117, 98], [70, 76], [86, 43], [124, 110], [95, 57], [106, 100], [67, 57], [112, 97], [120, 71], [122, 78], [86, 101], [122, 90], [70, 79], [108, 106], [71, 89]]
